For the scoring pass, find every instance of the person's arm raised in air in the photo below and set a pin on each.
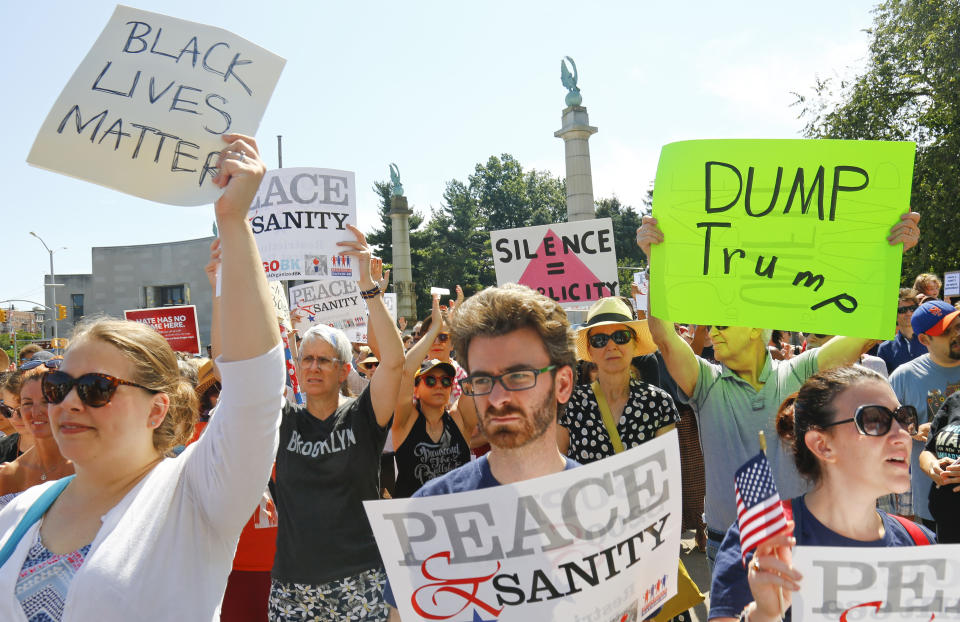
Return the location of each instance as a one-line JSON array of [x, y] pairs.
[[847, 350], [680, 359], [229, 466], [404, 416], [386, 382]]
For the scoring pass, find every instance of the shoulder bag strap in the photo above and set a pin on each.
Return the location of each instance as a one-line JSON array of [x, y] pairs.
[[607, 416], [33, 514], [919, 538]]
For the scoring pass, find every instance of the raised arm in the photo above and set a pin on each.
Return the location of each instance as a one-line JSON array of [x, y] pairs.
[[212, 268], [403, 417], [386, 382], [250, 329], [680, 360]]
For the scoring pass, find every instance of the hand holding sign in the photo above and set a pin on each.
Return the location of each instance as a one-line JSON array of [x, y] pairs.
[[907, 230], [240, 172]]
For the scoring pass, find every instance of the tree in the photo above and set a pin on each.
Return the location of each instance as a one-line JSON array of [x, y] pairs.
[[909, 90], [626, 220]]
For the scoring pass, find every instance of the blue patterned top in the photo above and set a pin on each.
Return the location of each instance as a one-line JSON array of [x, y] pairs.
[[44, 580]]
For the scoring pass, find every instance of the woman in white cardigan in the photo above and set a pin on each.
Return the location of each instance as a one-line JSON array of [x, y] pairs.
[[137, 535]]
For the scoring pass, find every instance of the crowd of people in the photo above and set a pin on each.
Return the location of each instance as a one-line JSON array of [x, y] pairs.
[[133, 474]]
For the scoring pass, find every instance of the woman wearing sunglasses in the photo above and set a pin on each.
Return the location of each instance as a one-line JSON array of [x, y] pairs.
[[19, 439], [617, 411], [136, 534], [428, 440], [852, 439], [43, 461]]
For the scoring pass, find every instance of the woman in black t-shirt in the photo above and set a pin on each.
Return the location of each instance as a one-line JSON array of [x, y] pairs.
[[328, 463], [940, 460]]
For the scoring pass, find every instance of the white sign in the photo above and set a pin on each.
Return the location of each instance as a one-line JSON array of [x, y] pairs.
[[298, 216], [599, 542], [334, 303], [144, 111], [280, 303], [390, 302], [439, 291], [640, 280], [951, 284], [571, 262], [841, 584]]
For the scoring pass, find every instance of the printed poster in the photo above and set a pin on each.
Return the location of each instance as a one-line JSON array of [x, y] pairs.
[[599, 542], [178, 325], [573, 263]]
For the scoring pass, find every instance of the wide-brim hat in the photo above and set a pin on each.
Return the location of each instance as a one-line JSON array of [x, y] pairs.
[[206, 378], [612, 310], [434, 364]]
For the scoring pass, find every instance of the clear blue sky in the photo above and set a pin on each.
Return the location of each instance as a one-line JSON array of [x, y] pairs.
[[435, 87]]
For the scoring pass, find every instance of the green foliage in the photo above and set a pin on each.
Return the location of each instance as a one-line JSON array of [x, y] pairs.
[[909, 90], [453, 246], [23, 338]]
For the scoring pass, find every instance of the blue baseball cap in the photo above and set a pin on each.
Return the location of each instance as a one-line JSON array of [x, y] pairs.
[[933, 317]]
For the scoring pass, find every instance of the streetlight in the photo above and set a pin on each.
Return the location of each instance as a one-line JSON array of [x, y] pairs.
[[51, 284]]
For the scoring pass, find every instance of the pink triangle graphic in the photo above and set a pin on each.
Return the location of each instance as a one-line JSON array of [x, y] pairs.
[[562, 276]]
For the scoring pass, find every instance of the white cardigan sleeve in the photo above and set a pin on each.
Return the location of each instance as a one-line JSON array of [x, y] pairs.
[[228, 467]]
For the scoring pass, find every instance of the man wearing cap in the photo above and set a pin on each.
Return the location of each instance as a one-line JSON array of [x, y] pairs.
[[518, 350], [926, 382], [905, 346], [615, 412], [739, 397]]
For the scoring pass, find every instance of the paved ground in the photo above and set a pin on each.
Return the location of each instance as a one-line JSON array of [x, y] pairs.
[[696, 563]]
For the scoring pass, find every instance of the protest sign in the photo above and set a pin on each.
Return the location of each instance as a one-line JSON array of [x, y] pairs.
[[144, 111], [784, 234], [298, 216], [335, 303], [178, 325], [599, 542], [571, 262], [280, 303], [841, 584], [390, 302], [951, 283], [640, 280]]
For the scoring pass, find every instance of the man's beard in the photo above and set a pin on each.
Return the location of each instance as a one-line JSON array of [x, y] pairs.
[[954, 352], [529, 428]]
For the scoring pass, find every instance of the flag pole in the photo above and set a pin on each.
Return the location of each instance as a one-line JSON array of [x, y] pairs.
[[763, 448]]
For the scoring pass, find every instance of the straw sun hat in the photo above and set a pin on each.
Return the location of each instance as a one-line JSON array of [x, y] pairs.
[[609, 311]]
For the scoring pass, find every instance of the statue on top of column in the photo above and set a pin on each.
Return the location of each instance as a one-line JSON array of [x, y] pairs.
[[397, 189], [569, 80]]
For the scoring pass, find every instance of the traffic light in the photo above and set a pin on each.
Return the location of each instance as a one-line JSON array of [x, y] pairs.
[[61, 312], [3, 315]]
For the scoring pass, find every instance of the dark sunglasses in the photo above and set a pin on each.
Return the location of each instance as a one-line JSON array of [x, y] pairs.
[[876, 420], [620, 337], [431, 381], [94, 389], [7, 411], [443, 337], [49, 364], [712, 326], [370, 365], [906, 309]]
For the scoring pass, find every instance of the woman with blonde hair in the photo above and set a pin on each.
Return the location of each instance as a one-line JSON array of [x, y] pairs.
[[136, 534]]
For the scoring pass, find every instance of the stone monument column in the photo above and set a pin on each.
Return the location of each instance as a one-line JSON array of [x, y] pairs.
[[402, 270], [575, 132]]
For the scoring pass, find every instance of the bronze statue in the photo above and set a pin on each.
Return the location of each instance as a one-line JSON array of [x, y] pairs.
[[395, 181], [573, 97]]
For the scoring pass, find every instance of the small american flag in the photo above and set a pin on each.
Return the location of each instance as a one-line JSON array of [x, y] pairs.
[[759, 514]]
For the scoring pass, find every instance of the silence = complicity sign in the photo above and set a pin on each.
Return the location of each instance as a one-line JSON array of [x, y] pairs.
[[144, 111], [571, 262], [599, 542], [297, 216], [781, 234]]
